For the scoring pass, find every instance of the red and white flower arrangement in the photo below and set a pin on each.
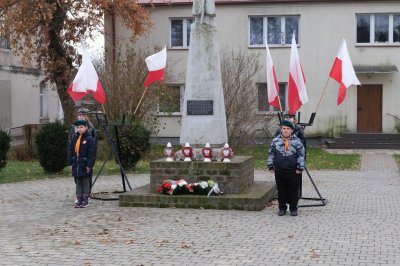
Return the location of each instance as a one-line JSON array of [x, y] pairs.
[[180, 187]]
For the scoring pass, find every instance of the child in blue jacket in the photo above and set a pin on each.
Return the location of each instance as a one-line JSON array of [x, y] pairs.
[[82, 156]]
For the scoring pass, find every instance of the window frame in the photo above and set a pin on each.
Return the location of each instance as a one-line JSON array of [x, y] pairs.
[[181, 94], [265, 31], [5, 37], [270, 107], [43, 103], [185, 21], [372, 30]]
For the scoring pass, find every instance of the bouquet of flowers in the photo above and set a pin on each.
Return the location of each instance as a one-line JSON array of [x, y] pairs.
[[175, 187], [206, 188], [179, 187]]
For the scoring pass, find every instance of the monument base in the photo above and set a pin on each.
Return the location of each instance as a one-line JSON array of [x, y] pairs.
[[254, 198], [232, 178]]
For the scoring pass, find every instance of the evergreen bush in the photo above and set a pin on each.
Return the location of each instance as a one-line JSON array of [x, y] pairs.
[[51, 143], [134, 143], [4, 147]]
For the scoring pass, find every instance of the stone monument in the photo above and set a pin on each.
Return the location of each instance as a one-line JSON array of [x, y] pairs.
[[203, 117], [204, 121]]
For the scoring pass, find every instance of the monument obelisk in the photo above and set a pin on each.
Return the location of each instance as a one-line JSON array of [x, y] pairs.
[[203, 117]]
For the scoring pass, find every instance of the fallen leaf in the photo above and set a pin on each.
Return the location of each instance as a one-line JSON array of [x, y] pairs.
[[119, 219], [77, 242], [104, 232], [104, 241], [131, 229], [291, 236], [314, 254], [184, 245], [130, 241]]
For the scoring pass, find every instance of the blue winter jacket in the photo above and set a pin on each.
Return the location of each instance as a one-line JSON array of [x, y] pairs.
[[293, 158], [86, 157]]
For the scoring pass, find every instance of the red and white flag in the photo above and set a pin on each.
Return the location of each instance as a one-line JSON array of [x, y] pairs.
[[156, 64], [297, 95], [86, 80], [272, 82], [343, 72]]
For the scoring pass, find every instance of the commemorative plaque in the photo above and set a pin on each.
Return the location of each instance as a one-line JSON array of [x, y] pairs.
[[200, 107]]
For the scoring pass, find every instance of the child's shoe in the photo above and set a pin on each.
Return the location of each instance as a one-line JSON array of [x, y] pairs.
[[78, 201], [85, 201]]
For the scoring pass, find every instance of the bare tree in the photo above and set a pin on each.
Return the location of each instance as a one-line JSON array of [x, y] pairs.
[[123, 84], [239, 70]]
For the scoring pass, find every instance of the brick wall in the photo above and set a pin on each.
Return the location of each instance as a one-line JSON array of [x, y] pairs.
[[232, 177]]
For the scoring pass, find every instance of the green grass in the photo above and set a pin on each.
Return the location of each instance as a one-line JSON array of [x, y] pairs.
[[320, 159], [317, 158], [17, 171], [397, 159]]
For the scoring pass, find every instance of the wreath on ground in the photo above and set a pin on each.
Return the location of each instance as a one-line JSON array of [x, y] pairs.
[[181, 187]]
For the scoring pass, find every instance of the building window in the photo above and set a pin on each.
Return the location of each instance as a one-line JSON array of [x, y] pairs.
[[180, 32], [277, 29], [44, 104], [378, 28], [263, 105], [4, 41], [171, 100]]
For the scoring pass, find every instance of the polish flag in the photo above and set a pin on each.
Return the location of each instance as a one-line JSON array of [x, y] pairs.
[[297, 95], [272, 82], [86, 80], [343, 72], [156, 64]]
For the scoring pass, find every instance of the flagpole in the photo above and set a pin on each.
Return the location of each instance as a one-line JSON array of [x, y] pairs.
[[140, 101], [280, 104], [323, 92]]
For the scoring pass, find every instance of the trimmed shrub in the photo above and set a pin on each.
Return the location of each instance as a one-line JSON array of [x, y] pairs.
[[4, 147], [51, 143], [134, 143]]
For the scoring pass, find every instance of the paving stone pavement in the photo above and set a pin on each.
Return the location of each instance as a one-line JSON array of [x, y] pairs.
[[360, 225]]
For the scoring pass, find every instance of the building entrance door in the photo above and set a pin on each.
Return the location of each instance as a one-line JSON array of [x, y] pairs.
[[369, 109]]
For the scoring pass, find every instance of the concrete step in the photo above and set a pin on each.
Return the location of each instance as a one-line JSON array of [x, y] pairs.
[[362, 145], [365, 141], [371, 141], [254, 198], [370, 136]]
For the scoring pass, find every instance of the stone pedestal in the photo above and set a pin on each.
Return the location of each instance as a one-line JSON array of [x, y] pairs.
[[236, 180], [252, 199], [232, 178]]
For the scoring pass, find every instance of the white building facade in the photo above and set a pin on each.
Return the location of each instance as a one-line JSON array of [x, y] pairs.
[[370, 28], [22, 99]]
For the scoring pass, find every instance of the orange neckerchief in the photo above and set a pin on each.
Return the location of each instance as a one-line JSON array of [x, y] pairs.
[[77, 145], [286, 143]]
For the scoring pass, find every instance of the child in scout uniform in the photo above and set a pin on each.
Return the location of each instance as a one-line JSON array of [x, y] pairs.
[[83, 114], [82, 156], [286, 160]]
